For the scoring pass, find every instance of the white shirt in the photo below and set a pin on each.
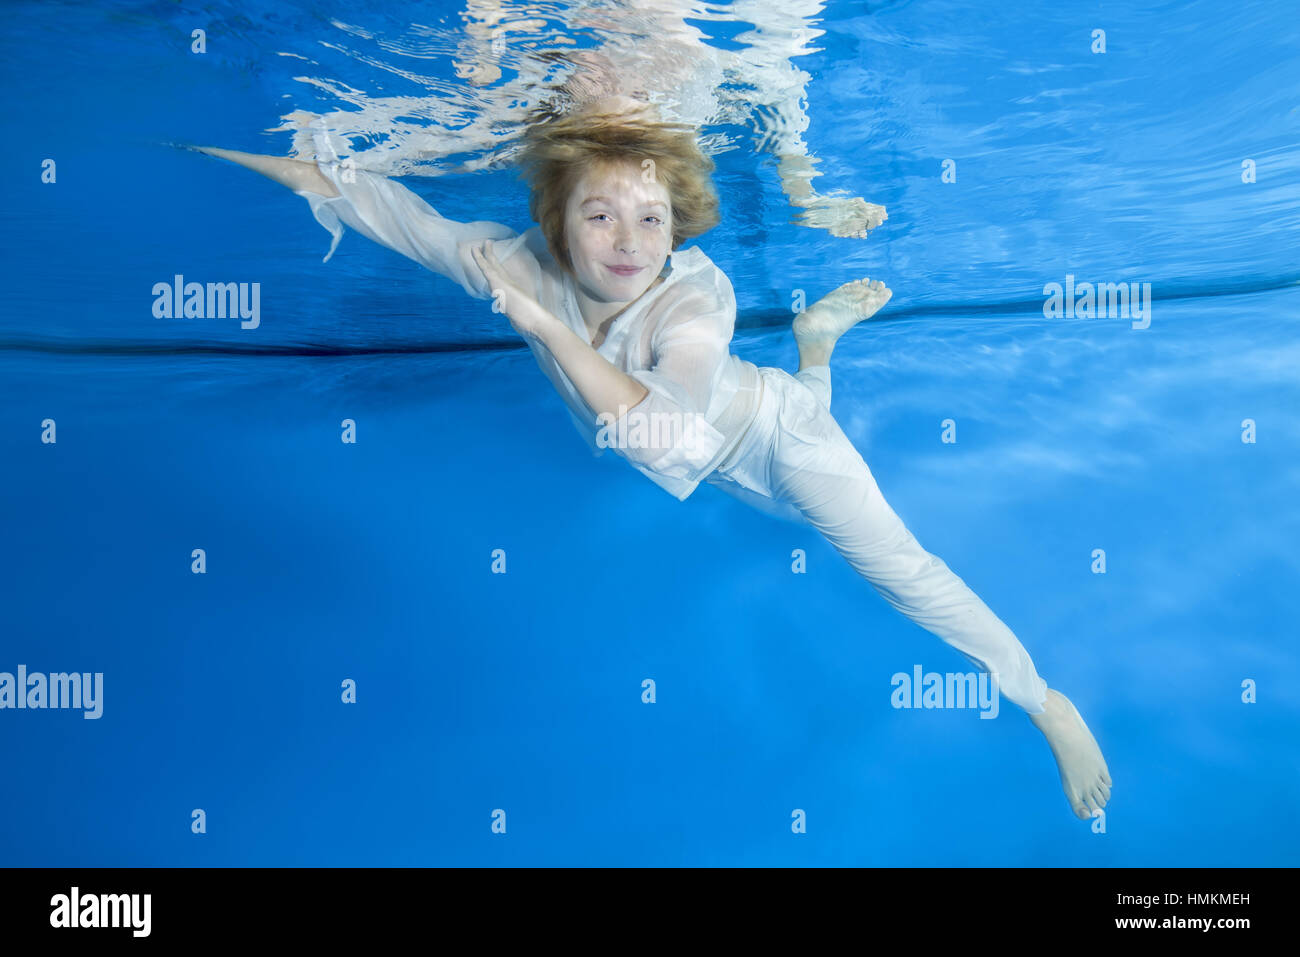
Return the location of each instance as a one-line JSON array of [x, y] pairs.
[[675, 339]]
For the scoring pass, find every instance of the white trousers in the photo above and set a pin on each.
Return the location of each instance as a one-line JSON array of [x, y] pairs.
[[795, 454]]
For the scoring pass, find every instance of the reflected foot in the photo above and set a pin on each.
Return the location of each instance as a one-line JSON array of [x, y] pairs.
[[843, 216]]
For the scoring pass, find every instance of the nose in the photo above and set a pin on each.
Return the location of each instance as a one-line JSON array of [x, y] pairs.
[[625, 242]]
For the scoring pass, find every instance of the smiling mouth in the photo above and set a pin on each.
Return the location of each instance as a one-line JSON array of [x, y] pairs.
[[624, 270]]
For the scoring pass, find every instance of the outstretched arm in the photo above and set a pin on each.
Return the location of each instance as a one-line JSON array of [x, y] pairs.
[[390, 214], [298, 175]]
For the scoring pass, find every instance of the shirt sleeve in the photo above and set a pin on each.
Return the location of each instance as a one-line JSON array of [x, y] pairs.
[[388, 213], [668, 431]]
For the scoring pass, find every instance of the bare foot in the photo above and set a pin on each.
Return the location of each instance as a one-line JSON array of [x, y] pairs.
[[1084, 775], [843, 216], [838, 311]]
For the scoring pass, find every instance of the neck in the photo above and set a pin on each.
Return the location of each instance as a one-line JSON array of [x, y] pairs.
[[597, 313]]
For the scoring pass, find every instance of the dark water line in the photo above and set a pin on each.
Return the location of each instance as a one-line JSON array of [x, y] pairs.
[[750, 321], [1244, 287], [77, 347]]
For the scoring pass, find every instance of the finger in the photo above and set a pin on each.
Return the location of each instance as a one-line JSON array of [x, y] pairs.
[[481, 257]]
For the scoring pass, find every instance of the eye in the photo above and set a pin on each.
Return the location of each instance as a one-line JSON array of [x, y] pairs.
[[657, 220], [597, 216]]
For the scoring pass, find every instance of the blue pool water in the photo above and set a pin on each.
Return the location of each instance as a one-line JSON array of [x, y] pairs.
[[523, 692]]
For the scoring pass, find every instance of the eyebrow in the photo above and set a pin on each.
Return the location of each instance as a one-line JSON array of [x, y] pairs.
[[606, 201]]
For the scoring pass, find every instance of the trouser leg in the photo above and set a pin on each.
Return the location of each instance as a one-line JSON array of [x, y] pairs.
[[818, 379], [820, 473]]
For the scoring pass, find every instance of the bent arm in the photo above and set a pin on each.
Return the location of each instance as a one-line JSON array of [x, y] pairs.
[[602, 385], [658, 416]]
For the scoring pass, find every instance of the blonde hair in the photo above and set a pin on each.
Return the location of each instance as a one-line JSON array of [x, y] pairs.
[[558, 152]]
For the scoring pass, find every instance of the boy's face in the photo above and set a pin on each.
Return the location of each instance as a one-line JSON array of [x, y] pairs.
[[615, 219]]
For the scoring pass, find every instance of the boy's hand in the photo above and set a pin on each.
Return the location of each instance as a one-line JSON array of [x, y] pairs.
[[526, 315]]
